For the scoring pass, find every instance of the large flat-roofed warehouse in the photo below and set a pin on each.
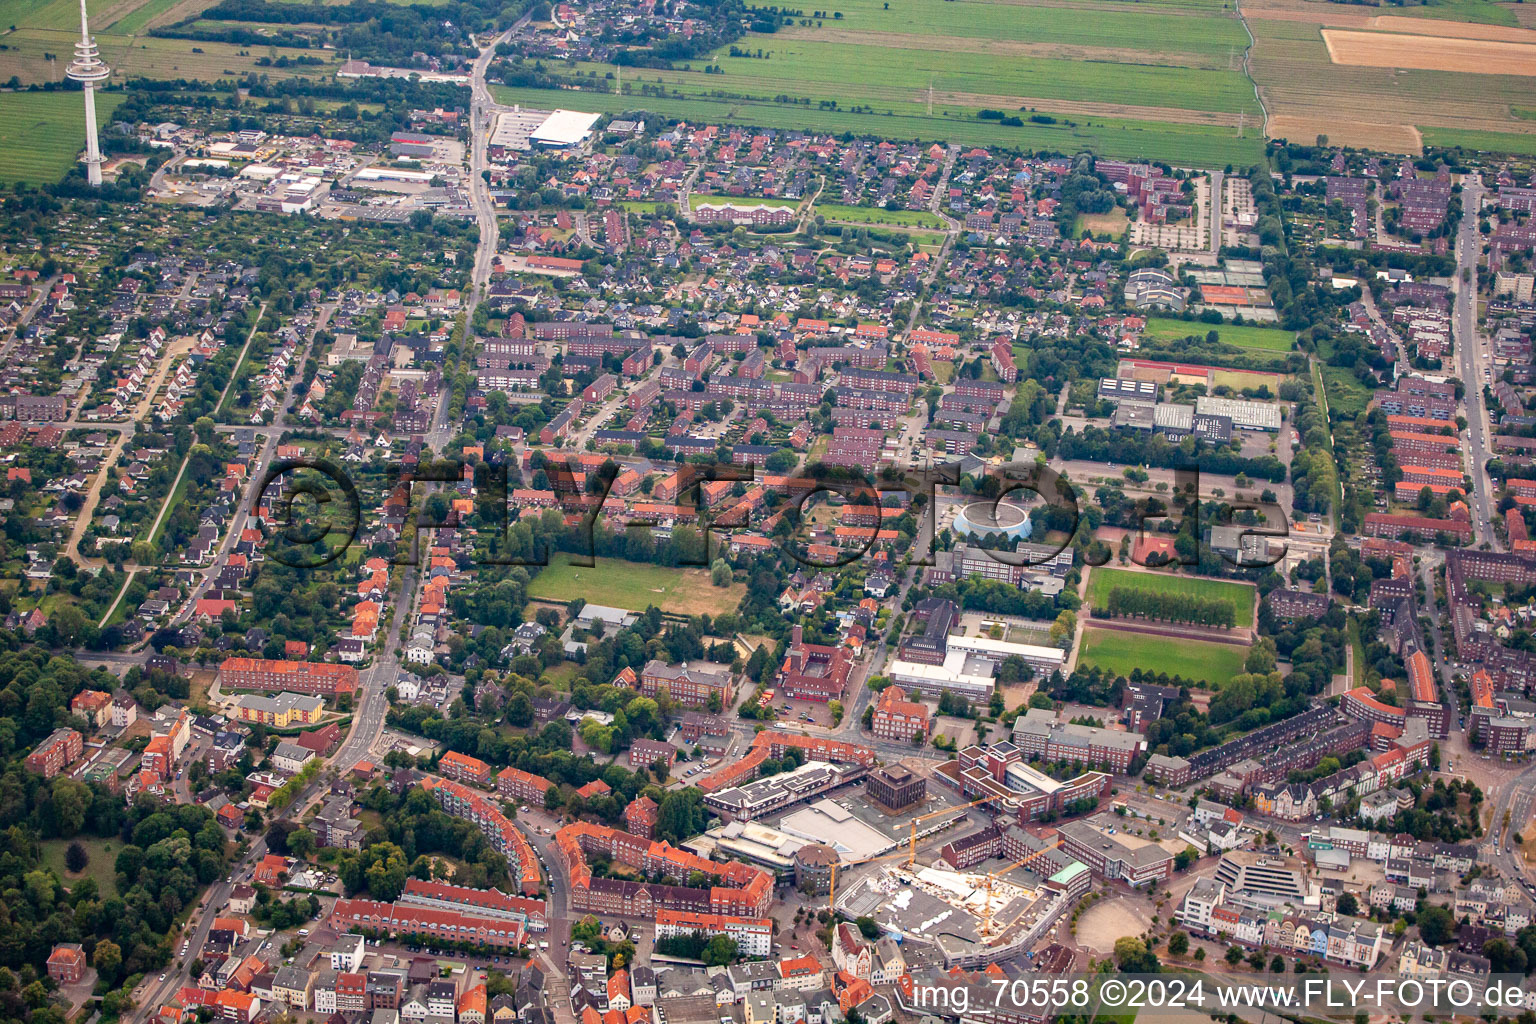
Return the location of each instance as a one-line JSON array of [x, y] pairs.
[[564, 129], [513, 127], [1244, 415]]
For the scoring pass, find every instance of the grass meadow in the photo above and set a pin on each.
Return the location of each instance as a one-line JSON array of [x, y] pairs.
[[635, 586], [1122, 653], [1103, 580], [1269, 339]]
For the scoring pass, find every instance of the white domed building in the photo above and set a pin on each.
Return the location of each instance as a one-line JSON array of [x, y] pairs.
[[993, 518]]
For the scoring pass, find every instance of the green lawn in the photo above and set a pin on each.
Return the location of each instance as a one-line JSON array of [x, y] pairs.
[[42, 134], [879, 215], [1103, 580], [1121, 653], [635, 586], [1270, 339], [103, 853], [1491, 142]]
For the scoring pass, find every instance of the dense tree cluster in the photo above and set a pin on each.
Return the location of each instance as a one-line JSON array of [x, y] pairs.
[[1190, 609]]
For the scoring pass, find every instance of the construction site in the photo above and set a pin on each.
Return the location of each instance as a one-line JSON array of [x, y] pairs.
[[970, 917]]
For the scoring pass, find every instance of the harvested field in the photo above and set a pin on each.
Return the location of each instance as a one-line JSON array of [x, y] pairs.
[[1430, 53], [1389, 107], [1388, 138]]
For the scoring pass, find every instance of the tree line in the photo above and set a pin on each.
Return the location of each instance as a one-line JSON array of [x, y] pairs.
[[1190, 609]]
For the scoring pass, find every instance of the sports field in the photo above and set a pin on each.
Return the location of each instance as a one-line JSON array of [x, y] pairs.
[[635, 586], [1122, 653], [1103, 580], [878, 215], [1269, 339], [43, 133]]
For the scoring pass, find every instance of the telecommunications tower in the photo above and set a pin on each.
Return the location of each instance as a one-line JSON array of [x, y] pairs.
[[89, 71]]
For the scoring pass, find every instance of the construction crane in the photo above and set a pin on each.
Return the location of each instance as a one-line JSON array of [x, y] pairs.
[[986, 918], [910, 853], [912, 839]]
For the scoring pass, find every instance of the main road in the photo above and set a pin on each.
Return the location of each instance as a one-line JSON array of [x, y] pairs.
[[1469, 247]]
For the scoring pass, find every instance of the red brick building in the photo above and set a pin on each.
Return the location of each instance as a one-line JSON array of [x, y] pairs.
[[515, 784], [55, 753], [294, 676], [814, 671], [463, 768], [66, 964], [896, 718], [640, 817], [686, 685]]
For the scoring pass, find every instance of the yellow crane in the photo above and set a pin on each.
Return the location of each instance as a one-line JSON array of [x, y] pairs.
[[986, 917], [910, 853], [912, 839]]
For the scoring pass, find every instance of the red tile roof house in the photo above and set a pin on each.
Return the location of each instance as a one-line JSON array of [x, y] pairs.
[[269, 868], [322, 741], [66, 964]]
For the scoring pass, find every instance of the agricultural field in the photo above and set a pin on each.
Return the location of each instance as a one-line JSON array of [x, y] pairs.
[[1492, 142], [43, 133], [1149, 80], [1102, 580], [635, 586], [1430, 53], [1392, 108], [28, 51], [1269, 339], [64, 14], [1122, 653]]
